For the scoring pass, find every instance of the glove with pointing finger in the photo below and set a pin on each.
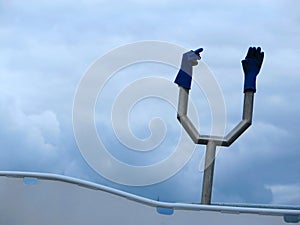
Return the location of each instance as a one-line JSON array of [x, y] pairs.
[[184, 76]]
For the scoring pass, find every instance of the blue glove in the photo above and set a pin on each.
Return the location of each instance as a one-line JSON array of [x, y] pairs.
[[251, 66], [184, 76]]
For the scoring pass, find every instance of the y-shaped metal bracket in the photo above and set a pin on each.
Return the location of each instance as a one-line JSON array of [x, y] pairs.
[[212, 142]]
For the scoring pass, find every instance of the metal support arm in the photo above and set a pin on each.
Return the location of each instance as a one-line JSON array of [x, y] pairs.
[[246, 119], [210, 141], [205, 139]]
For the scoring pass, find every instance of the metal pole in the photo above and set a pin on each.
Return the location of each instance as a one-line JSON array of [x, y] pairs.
[[208, 175]]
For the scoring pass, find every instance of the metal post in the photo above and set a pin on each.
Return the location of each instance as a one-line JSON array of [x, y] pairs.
[[208, 173]]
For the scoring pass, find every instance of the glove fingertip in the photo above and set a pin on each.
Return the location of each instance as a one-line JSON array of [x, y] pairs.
[[259, 49], [261, 57], [253, 50], [247, 55]]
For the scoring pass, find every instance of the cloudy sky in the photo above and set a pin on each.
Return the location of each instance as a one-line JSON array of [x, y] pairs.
[[47, 46]]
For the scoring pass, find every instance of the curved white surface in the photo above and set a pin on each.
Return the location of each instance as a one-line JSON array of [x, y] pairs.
[[42, 199]]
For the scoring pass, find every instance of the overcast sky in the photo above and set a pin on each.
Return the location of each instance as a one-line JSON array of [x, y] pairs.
[[47, 46]]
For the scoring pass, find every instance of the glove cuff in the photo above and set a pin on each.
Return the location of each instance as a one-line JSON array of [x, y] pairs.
[[183, 79], [250, 82]]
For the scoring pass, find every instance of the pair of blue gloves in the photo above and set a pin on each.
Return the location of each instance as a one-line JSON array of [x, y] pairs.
[[251, 67]]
